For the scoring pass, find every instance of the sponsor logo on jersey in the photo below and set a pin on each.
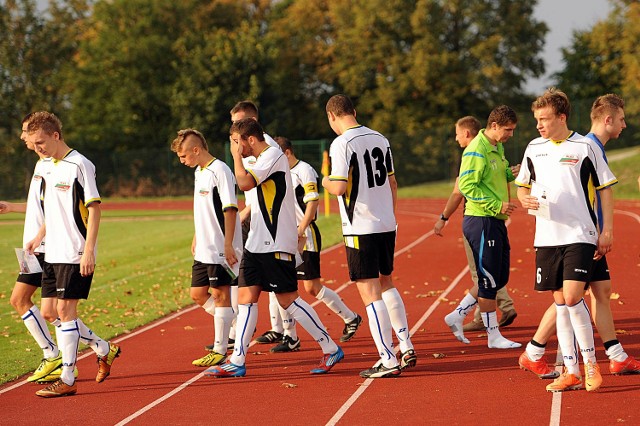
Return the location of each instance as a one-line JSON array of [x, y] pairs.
[[541, 155], [203, 192], [569, 160], [37, 177], [62, 186]]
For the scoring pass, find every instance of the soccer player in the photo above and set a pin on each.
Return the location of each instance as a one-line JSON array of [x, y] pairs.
[[217, 239], [72, 219], [362, 176], [607, 122], [483, 181], [466, 129], [282, 325], [305, 187], [561, 171], [268, 262], [27, 283]]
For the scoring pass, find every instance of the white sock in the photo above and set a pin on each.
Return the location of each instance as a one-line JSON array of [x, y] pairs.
[[467, 304], [567, 340], [234, 305], [495, 339], [583, 330], [380, 327], [37, 326], [617, 353], [247, 320], [288, 324], [398, 317], [56, 322], [274, 314], [99, 346], [309, 320], [222, 324], [534, 352], [335, 303], [210, 306], [68, 337]]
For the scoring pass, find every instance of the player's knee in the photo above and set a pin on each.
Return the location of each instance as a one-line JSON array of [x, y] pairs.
[[601, 291], [487, 293]]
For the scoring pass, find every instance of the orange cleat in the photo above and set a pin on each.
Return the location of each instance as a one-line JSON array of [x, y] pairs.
[[565, 382], [593, 378], [628, 366], [540, 367]]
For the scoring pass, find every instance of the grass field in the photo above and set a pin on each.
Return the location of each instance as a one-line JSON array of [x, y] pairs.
[[144, 266]]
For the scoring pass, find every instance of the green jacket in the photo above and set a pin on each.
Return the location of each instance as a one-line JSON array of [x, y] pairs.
[[484, 177]]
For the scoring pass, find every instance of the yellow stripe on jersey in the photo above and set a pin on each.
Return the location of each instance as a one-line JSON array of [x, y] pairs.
[[230, 206], [283, 256], [93, 200], [613, 182], [343, 178], [268, 189], [352, 242]]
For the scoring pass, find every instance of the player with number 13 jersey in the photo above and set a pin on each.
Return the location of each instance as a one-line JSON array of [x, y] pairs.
[[362, 158]]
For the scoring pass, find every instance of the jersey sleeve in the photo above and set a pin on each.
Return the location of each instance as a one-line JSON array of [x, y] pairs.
[[87, 177], [472, 168], [309, 181], [524, 177], [227, 187], [339, 162], [604, 176], [263, 167]]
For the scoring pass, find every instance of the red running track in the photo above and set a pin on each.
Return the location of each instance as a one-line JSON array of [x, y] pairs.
[[153, 382]]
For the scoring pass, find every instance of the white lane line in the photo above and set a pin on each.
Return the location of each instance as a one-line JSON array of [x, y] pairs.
[[193, 379], [347, 405]]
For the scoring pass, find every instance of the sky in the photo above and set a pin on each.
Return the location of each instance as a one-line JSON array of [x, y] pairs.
[[563, 17]]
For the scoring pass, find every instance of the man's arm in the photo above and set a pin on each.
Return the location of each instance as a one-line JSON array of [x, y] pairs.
[[452, 205], [229, 231], [605, 239], [7, 207], [88, 260], [334, 187], [393, 183]]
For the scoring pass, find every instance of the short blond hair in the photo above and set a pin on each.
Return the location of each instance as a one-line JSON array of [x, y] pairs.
[[608, 104], [45, 121]]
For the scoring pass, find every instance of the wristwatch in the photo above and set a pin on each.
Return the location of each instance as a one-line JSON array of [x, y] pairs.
[[443, 218]]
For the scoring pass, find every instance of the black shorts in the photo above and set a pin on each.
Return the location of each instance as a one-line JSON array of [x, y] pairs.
[[32, 279], [209, 275], [600, 270], [554, 265], [310, 268], [275, 272], [370, 255], [63, 280], [489, 242]]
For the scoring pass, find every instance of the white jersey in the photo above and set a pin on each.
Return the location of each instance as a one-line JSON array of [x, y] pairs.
[[273, 219], [69, 187], [248, 162], [569, 172], [362, 158], [305, 188], [34, 216], [214, 192]]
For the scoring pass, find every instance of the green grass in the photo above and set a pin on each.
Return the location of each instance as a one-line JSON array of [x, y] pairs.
[[143, 273]]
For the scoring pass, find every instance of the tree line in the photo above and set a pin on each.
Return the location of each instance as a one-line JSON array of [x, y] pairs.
[[124, 75]]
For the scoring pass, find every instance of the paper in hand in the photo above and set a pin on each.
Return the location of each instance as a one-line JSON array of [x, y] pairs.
[[28, 262]]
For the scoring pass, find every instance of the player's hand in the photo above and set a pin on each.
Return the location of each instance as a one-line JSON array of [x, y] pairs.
[[230, 255], [605, 243], [302, 240], [508, 208], [5, 207], [437, 228], [87, 263], [530, 202], [515, 169]]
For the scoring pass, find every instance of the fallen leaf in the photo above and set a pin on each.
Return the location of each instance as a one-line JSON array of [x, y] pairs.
[[439, 355], [289, 385], [614, 296], [188, 327]]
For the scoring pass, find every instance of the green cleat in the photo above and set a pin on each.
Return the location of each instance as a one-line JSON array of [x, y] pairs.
[[46, 367], [210, 359], [55, 375]]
